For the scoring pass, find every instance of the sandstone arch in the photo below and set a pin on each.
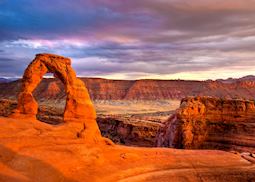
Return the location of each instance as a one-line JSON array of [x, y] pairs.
[[78, 104], [79, 111]]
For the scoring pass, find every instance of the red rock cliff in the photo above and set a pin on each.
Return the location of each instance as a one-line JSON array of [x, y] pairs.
[[103, 89], [207, 122]]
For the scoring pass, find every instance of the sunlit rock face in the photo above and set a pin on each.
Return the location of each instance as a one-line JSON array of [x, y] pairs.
[[78, 103], [104, 89], [212, 123], [79, 109]]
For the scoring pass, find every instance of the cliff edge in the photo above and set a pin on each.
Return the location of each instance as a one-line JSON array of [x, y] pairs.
[[211, 123]]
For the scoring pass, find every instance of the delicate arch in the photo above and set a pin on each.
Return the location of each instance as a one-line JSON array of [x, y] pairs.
[[78, 104]]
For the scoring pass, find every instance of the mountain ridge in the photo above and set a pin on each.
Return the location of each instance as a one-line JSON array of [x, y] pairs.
[[146, 89]]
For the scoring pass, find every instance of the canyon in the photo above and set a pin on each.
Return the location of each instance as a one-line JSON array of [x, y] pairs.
[[211, 123], [73, 149], [152, 100], [129, 112], [122, 122], [199, 123]]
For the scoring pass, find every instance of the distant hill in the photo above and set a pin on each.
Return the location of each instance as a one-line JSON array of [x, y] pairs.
[[6, 80], [3, 80], [104, 89], [233, 80], [247, 78]]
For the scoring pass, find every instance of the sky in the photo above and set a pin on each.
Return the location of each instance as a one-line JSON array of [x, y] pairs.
[[132, 39]]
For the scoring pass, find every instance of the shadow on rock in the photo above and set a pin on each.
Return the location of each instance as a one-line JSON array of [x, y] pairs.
[[31, 168]]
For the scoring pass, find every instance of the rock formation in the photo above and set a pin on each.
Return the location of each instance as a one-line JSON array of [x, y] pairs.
[[78, 103], [132, 130], [211, 123], [132, 133], [35, 151], [78, 106], [103, 89], [7, 106]]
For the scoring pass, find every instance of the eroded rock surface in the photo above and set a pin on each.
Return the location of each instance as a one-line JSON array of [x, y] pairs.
[[104, 89], [78, 103], [34, 151], [211, 123], [78, 108], [7, 107], [129, 131]]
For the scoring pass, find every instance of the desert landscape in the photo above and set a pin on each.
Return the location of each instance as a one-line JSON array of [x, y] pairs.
[[65, 143], [127, 91], [132, 112]]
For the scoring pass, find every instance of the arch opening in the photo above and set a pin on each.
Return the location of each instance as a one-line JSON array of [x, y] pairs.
[[51, 98], [79, 110], [78, 105], [48, 75]]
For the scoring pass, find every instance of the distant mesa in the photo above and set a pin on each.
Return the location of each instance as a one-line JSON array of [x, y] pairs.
[[3, 80], [7, 80], [104, 89]]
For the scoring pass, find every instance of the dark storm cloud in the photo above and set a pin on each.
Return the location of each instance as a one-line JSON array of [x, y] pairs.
[[129, 36], [11, 67], [6, 60]]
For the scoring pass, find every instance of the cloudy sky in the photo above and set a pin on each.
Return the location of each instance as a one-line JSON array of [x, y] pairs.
[[132, 39]]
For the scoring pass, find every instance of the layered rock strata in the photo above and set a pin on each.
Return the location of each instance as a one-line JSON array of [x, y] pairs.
[[132, 133], [103, 89], [132, 130], [211, 123]]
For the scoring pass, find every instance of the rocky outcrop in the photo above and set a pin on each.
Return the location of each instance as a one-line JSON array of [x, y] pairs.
[[35, 151], [134, 133], [7, 106], [78, 103], [211, 123], [125, 129], [78, 106]]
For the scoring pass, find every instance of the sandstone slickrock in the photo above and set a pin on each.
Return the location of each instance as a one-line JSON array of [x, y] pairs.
[[78, 108], [35, 151], [127, 129], [211, 123]]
